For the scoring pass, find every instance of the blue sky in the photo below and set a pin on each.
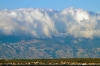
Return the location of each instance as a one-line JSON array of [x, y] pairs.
[[90, 5]]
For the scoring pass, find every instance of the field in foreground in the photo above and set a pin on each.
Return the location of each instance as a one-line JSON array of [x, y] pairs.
[[60, 61]]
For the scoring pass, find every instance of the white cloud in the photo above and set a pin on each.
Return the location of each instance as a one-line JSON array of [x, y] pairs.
[[47, 22]]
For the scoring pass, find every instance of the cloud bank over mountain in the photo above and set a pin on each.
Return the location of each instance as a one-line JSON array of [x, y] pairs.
[[43, 23]]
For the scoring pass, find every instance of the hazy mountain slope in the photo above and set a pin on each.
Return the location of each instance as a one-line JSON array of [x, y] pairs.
[[50, 48]]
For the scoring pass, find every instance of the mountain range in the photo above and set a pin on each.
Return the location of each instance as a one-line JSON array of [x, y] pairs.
[[55, 47]]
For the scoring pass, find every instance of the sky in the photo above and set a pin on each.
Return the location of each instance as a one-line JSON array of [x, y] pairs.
[[90, 5], [44, 18]]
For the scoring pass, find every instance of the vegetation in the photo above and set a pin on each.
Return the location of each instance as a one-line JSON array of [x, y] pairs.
[[80, 60]]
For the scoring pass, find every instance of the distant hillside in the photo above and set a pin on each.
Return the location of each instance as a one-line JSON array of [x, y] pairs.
[[55, 47]]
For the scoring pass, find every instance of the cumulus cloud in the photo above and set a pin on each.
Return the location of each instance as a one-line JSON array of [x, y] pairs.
[[41, 23]]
